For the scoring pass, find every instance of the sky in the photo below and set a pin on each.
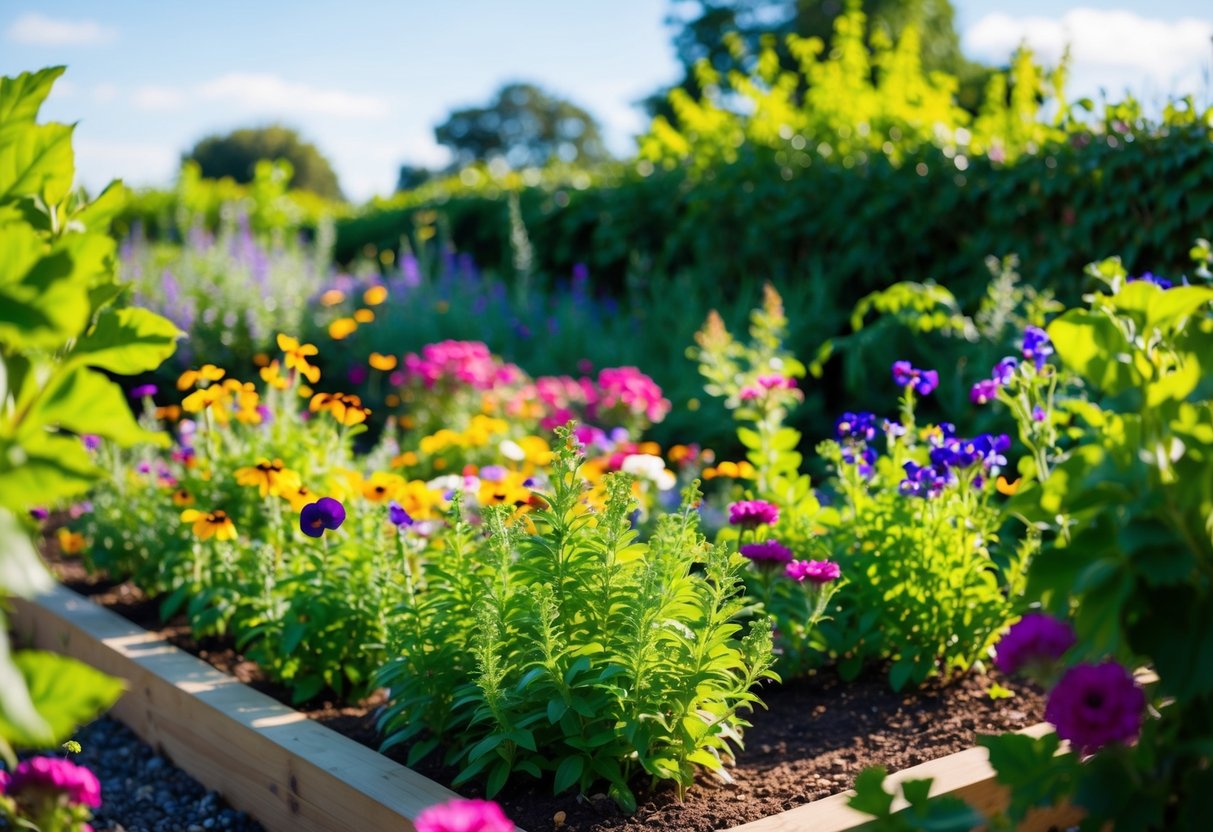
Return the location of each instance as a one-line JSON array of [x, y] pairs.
[[368, 81]]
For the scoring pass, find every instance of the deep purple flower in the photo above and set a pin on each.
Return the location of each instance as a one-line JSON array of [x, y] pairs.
[[39, 513], [53, 774], [984, 391], [398, 515], [1035, 639], [91, 441], [753, 513], [464, 816], [1096, 704], [817, 572], [767, 552], [923, 382], [1150, 277], [861, 426], [926, 482], [357, 374], [1004, 370], [862, 456], [325, 513], [1038, 413], [1036, 346], [143, 390]]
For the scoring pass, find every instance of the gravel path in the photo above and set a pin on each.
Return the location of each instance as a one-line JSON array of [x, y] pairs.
[[142, 792]]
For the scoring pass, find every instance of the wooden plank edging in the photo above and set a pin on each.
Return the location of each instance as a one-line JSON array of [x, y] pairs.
[[288, 772], [293, 774]]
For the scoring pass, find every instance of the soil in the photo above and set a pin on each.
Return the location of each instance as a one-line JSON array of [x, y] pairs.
[[816, 735]]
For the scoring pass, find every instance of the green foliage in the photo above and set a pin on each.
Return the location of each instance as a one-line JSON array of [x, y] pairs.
[[947, 814], [236, 156], [574, 651], [62, 329], [524, 127]]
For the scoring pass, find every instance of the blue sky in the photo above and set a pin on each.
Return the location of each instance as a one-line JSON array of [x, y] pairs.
[[367, 81]]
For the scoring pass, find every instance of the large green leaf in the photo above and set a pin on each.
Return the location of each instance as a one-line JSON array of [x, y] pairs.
[[42, 303], [65, 693], [1090, 344], [85, 401], [21, 569], [45, 469], [22, 97], [36, 160], [19, 719], [98, 214], [127, 341]]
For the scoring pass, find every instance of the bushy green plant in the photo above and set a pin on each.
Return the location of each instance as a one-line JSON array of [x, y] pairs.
[[574, 651]]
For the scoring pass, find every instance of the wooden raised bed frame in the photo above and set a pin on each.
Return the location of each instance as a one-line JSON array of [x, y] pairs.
[[294, 775]]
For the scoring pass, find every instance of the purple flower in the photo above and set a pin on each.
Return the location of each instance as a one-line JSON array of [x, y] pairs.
[[1150, 277], [1093, 705], [1035, 639], [1004, 370], [927, 482], [325, 513], [767, 552], [1038, 413], [861, 426], [143, 390], [493, 473], [91, 441], [464, 816], [922, 382], [1036, 346], [39, 513], [398, 516], [862, 456], [984, 391], [53, 774], [357, 374], [817, 572], [753, 513]]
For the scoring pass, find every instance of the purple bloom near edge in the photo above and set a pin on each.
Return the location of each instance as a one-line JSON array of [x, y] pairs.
[[753, 513], [464, 816], [1094, 705], [1036, 638], [325, 513], [922, 382], [767, 552]]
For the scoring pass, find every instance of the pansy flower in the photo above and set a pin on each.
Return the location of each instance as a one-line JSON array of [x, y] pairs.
[[1036, 346], [324, 514], [922, 382], [208, 524]]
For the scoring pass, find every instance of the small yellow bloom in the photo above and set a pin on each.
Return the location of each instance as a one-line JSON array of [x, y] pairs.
[[381, 487], [71, 543], [405, 460], [342, 328], [332, 297], [364, 316], [1007, 488], [207, 372], [418, 500], [305, 391], [168, 413], [379, 361], [181, 497], [299, 497], [374, 295], [346, 408], [208, 524], [269, 477], [271, 375], [297, 355]]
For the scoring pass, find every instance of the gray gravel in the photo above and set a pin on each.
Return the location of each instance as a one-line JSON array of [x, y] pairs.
[[142, 792]]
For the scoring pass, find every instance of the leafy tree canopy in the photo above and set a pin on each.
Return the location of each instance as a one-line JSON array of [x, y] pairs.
[[236, 155], [524, 126]]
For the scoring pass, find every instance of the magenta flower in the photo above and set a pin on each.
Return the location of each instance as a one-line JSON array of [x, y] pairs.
[[1093, 705], [398, 515], [53, 774], [143, 391], [1035, 639], [819, 572], [753, 513], [922, 382], [767, 552], [325, 513], [984, 391], [91, 441], [464, 816]]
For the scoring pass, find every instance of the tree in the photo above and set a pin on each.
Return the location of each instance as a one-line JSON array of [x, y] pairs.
[[237, 154], [524, 126], [413, 176]]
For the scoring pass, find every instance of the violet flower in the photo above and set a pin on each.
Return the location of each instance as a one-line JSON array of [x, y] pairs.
[[753, 513], [819, 572], [1094, 705], [767, 552], [1034, 640], [325, 513]]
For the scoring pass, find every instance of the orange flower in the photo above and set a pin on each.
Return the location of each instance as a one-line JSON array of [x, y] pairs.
[[342, 328], [364, 316], [181, 497], [1007, 488], [297, 355], [70, 542], [168, 413], [374, 295], [332, 297], [405, 460], [379, 361], [207, 372], [346, 408], [381, 487], [261, 360], [208, 524]]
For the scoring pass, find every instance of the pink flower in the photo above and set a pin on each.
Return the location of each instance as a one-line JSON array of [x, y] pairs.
[[767, 552], [753, 513], [52, 774], [818, 572], [464, 816]]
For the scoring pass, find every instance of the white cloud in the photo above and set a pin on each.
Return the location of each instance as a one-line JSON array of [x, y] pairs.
[[1112, 50], [136, 163], [269, 94], [39, 30], [156, 97]]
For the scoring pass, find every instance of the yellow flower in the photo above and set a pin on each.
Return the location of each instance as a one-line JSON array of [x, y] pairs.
[[208, 524], [181, 497], [299, 497], [418, 500], [297, 355], [405, 460], [332, 297], [1007, 488], [70, 542], [272, 376], [269, 477], [207, 397], [364, 316], [379, 361], [346, 408], [509, 491], [168, 413], [439, 441], [207, 372], [381, 487], [342, 328], [374, 295]]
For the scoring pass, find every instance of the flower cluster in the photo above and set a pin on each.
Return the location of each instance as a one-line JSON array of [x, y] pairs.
[[922, 382], [624, 391], [951, 458], [467, 363], [50, 776], [855, 431]]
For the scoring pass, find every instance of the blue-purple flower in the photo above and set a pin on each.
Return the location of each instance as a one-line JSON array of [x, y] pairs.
[[767, 552], [325, 513], [1004, 370], [143, 391], [1094, 705], [984, 391], [398, 516], [922, 382], [1150, 277], [1036, 346], [861, 426]]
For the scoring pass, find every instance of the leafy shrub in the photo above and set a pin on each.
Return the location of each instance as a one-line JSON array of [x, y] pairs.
[[575, 651]]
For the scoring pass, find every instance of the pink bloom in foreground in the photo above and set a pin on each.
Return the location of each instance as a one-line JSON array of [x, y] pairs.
[[752, 513], [52, 774], [814, 571], [464, 816]]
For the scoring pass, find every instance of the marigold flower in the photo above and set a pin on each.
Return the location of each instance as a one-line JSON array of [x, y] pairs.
[[1093, 705], [70, 542], [269, 477], [79, 785], [325, 513], [364, 316], [1036, 639], [384, 363], [296, 357], [332, 297], [375, 295], [753, 513], [464, 816], [346, 408], [817, 572], [208, 524], [207, 372], [342, 328]]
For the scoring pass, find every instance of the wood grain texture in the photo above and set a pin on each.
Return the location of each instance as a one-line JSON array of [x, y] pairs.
[[291, 774]]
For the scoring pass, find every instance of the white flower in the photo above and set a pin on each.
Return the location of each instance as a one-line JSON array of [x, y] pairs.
[[512, 450], [651, 468]]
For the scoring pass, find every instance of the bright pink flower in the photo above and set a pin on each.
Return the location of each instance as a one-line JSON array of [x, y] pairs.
[[464, 816], [53, 774], [753, 513], [814, 571], [767, 552]]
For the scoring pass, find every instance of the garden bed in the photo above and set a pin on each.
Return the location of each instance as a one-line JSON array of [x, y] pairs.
[[277, 764]]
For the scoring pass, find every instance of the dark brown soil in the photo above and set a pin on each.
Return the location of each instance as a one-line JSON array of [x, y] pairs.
[[817, 734]]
